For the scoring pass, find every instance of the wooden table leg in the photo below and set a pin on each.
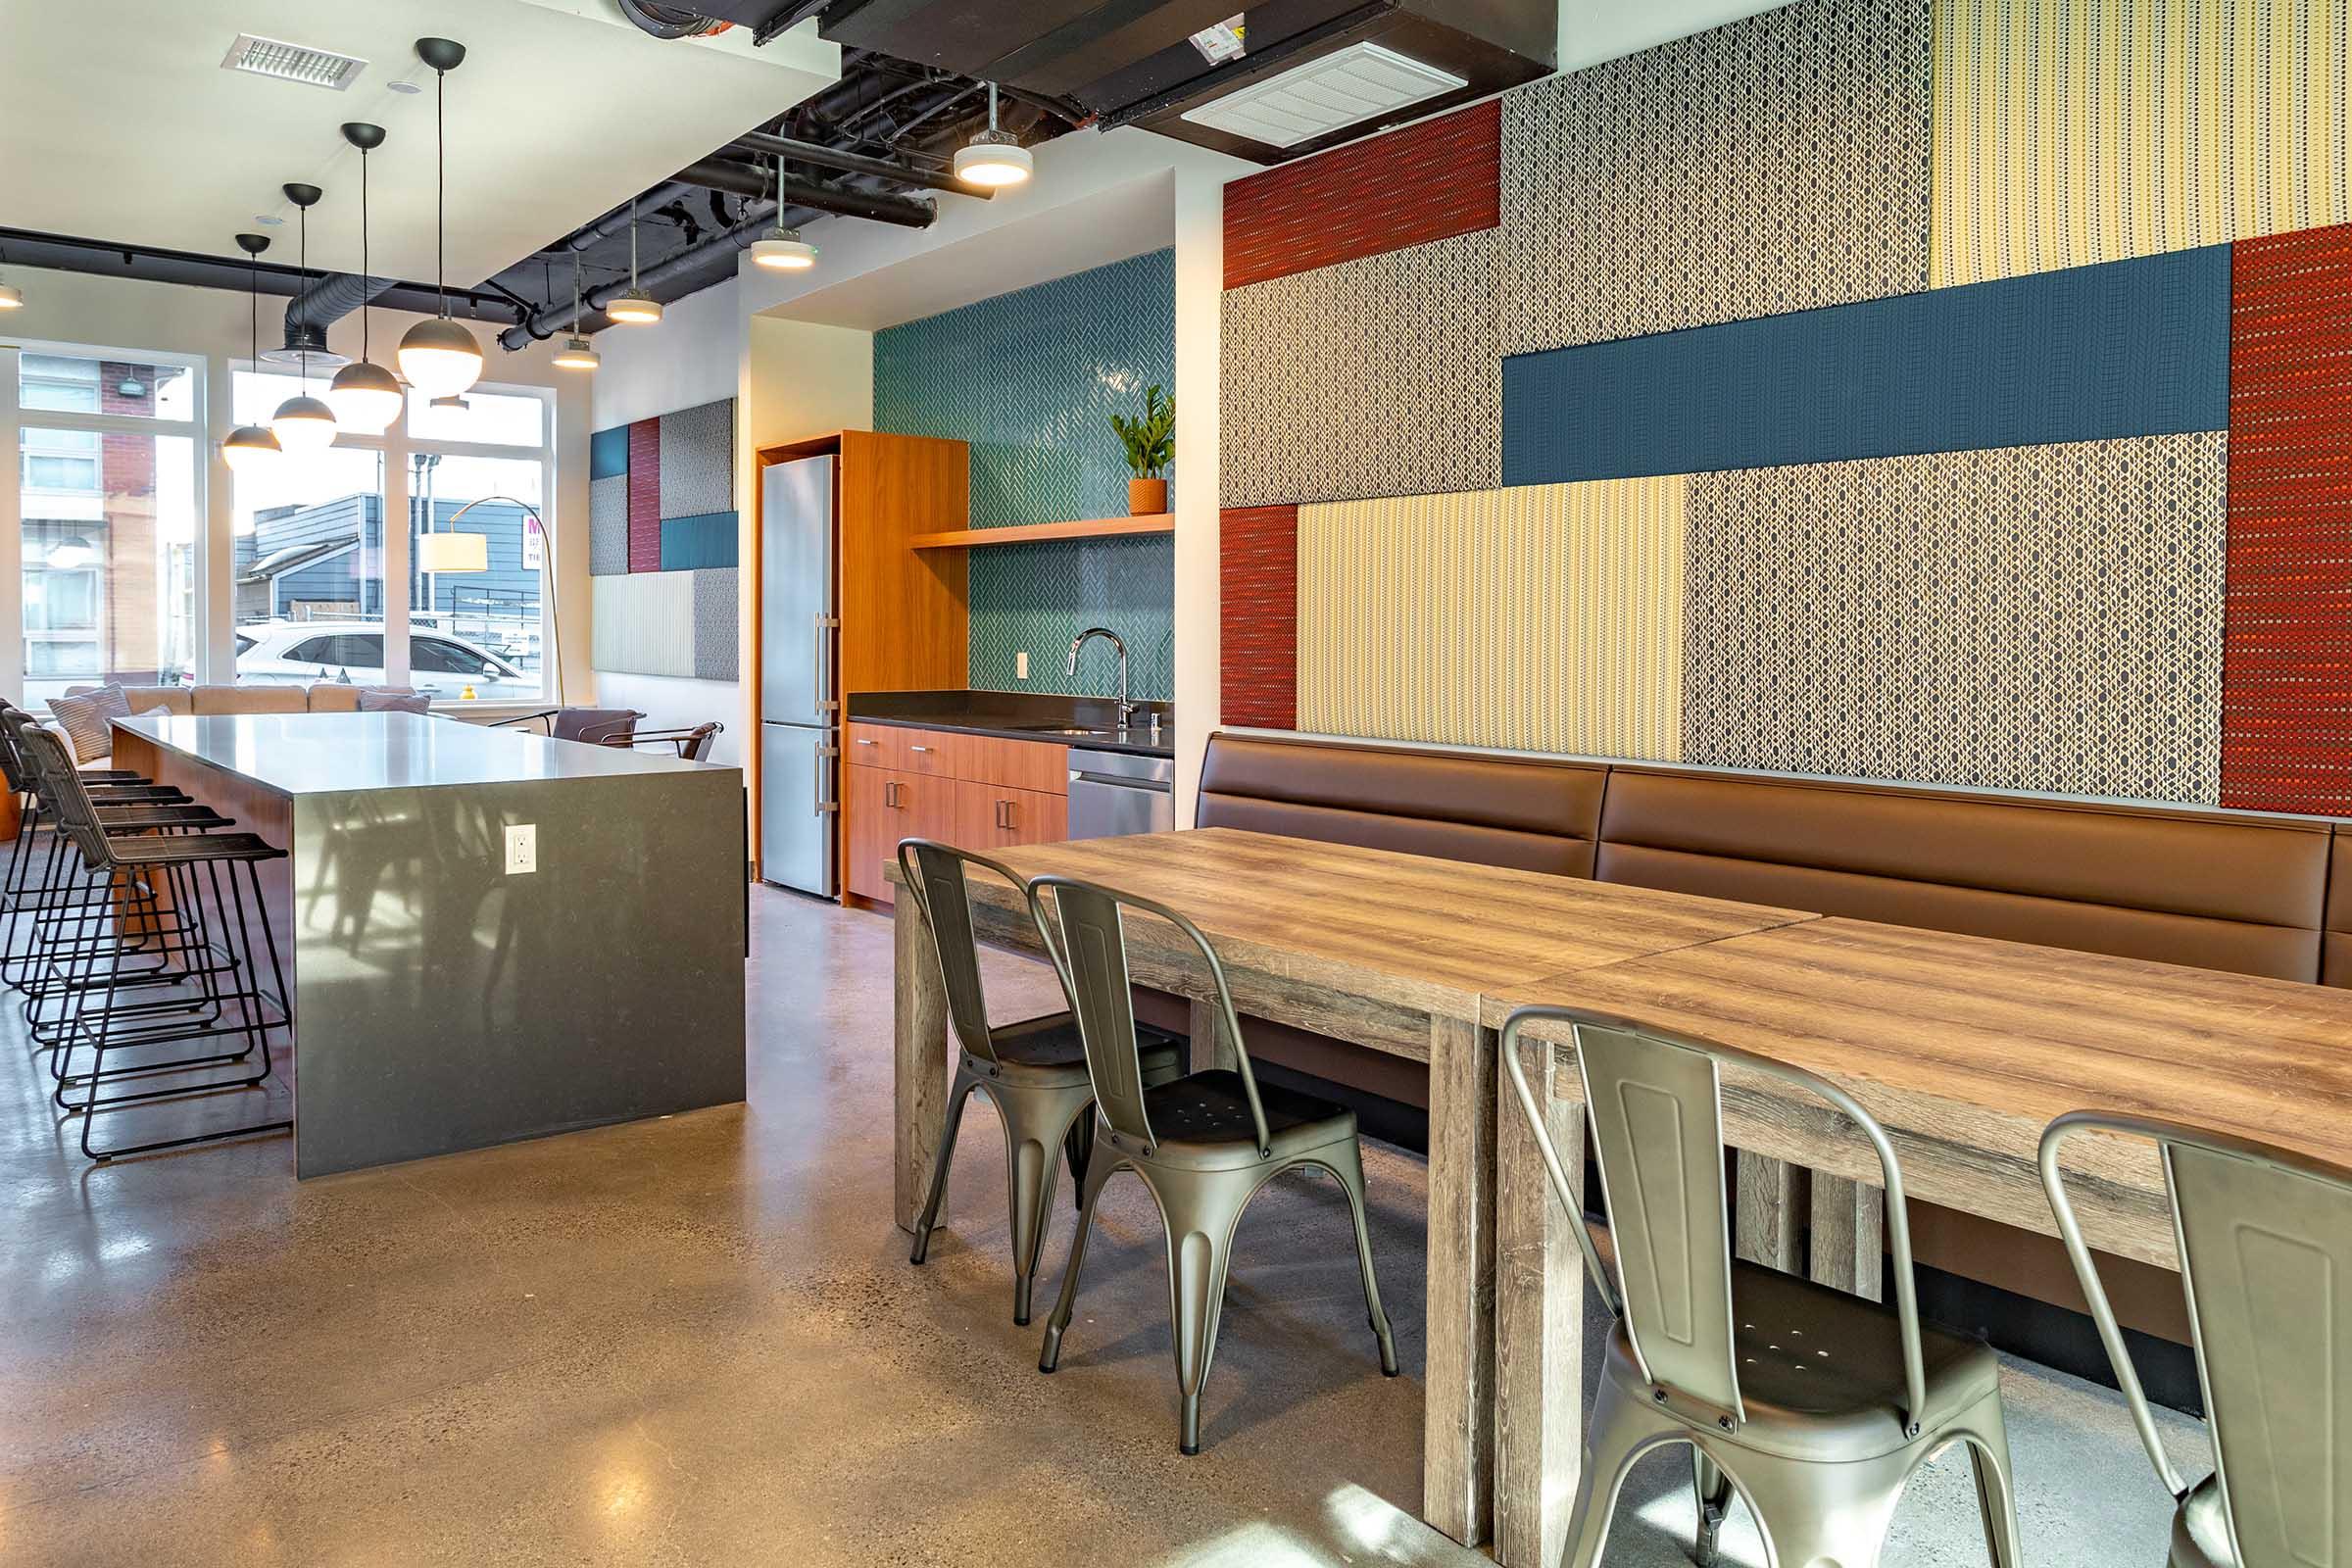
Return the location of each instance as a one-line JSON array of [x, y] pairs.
[[1539, 1325], [1769, 1209], [919, 1077], [1458, 1426], [1849, 1236]]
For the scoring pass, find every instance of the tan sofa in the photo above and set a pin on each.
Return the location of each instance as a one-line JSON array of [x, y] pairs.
[[325, 697]]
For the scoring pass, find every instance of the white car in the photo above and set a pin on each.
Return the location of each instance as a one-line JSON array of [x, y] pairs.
[[300, 653]]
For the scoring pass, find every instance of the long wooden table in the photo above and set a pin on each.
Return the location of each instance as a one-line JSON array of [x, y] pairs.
[[1964, 1049], [1391, 952]]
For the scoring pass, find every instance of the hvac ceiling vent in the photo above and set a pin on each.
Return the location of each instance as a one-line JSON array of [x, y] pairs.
[[1339, 89], [292, 61]]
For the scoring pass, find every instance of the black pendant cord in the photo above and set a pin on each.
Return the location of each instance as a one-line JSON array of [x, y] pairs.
[[303, 269], [440, 195], [367, 277], [253, 308]]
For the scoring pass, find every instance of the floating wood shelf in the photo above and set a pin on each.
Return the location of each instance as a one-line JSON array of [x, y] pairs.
[[1030, 533]]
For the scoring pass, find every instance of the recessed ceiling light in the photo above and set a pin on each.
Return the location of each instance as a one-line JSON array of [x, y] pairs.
[[268, 219], [404, 86]]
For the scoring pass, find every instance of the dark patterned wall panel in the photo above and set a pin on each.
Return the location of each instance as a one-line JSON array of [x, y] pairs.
[[2287, 737], [1258, 605], [645, 495], [717, 624], [697, 459], [2038, 619], [608, 522], [1424, 182], [1373, 377], [1776, 163]]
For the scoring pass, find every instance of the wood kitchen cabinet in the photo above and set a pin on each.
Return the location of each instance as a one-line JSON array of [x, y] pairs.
[[884, 805], [991, 816], [976, 791]]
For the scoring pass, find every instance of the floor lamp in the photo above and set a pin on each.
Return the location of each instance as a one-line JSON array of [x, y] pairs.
[[451, 551]]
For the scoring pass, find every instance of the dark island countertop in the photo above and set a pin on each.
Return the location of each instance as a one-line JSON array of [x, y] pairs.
[[1091, 722]]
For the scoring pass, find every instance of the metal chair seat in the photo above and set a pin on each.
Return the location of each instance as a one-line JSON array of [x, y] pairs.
[[202, 817], [1046, 1052], [199, 847], [1822, 1372], [1203, 1123]]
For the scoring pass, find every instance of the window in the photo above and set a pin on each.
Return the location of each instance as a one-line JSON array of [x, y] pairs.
[[130, 388]]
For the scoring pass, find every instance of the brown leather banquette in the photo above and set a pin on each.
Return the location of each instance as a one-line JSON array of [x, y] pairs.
[[2219, 890]]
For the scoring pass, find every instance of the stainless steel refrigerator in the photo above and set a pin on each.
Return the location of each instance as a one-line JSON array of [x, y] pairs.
[[800, 742]]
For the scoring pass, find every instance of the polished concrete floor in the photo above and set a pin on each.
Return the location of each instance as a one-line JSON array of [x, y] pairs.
[[696, 1341]]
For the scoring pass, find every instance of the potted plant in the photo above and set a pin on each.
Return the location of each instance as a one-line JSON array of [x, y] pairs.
[[1150, 443]]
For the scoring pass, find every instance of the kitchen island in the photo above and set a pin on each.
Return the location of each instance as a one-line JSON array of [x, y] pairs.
[[453, 989]]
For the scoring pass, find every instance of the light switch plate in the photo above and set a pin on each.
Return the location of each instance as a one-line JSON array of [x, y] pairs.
[[1020, 664], [522, 848]]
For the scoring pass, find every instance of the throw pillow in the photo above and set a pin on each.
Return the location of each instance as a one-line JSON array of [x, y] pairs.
[[89, 720], [375, 702]]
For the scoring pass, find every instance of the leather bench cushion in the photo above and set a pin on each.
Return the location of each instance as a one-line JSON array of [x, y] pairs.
[[2233, 892], [1533, 815], [2335, 952]]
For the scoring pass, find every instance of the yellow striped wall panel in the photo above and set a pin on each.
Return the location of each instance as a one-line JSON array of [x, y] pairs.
[[1543, 618], [2071, 131]]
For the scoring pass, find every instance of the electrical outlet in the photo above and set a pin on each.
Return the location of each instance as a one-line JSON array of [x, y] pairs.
[[1020, 664], [522, 848]]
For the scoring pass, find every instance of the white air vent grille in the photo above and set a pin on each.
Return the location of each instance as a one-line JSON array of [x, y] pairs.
[[1324, 95], [292, 61]]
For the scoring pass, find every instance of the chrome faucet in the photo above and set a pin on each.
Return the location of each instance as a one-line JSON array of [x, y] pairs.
[[1126, 708]]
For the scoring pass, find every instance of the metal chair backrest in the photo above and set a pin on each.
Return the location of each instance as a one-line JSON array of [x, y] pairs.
[[59, 786], [1655, 1101], [595, 726], [2265, 1259], [935, 880], [695, 745], [12, 761], [1083, 926]]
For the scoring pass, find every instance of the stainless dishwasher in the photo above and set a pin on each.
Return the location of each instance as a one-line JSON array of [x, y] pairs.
[[1112, 793]]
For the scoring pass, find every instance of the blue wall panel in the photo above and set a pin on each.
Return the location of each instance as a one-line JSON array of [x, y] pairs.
[[609, 452], [2092, 353], [707, 539]]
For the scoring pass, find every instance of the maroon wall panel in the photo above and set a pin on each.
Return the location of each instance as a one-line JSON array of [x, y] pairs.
[[2286, 685], [645, 495], [1258, 568], [1428, 181]]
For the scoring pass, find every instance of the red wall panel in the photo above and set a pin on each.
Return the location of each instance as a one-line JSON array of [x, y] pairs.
[[1428, 181], [2286, 700], [1258, 568], [645, 495]]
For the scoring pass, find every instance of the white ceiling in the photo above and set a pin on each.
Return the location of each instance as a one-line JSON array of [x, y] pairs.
[[120, 123], [1594, 30]]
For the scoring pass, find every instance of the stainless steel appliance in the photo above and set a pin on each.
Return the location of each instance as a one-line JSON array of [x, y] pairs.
[[1112, 793], [800, 742]]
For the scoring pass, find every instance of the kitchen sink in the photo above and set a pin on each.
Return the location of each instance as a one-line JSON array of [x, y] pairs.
[[1059, 729]]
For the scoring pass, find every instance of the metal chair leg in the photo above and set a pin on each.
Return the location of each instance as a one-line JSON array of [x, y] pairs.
[[1201, 1209], [1987, 1439], [1037, 1129], [940, 1158], [1349, 1166], [1714, 1491], [1098, 1171], [1813, 1512], [1621, 1428]]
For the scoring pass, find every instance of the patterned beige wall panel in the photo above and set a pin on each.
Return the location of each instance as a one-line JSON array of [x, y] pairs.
[[644, 623], [1372, 378], [2040, 618], [1776, 163], [2070, 132], [1546, 618]]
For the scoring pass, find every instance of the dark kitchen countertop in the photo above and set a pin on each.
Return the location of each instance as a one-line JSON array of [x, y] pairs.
[[1005, 714]]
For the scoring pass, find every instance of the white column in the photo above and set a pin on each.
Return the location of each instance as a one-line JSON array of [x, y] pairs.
[[1200, 289], [12, 537]]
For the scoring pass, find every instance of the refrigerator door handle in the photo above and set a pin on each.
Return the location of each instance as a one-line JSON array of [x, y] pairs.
[[825, 754]]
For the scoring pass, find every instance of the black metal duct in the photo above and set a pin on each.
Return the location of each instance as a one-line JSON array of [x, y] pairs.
[[67, 253], [547, 322], [745, 179], [760, 142]]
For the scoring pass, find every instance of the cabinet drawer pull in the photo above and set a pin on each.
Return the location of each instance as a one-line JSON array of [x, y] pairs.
[[862, 741], [918, 748]]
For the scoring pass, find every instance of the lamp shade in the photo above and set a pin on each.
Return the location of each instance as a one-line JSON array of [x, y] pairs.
[[365, 397], [440, 358], [993, 159], [72, 554], [636, 308], [249, 448], [782, 250], [577, 355], [452, 552], [303, 425]]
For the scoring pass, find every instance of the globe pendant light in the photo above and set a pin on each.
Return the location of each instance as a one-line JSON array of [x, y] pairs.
[[575, 353], [993, 158], [439, 357], [781, 249], [636, 308], [364, 394], [302, 423], [251, 448]]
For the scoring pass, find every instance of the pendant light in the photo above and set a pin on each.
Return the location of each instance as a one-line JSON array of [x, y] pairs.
[[250, 448], [575, 353], [439, 357], [363, 395], [993, 158], [302, 423], [781, 249], [636, 308], [11, 299]]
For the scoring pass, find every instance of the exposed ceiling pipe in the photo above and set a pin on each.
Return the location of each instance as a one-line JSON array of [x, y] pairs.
[[616, 221], [154, 263], [744, 179], [545, 322], [808, 152]]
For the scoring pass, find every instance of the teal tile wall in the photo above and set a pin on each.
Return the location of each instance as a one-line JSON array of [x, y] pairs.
[[1030, 379]]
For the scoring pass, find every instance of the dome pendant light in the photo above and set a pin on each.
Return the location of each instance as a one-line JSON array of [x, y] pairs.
[[575, 353], [636, 308], [439, 357], [781, 249], [363, 395], [302, 423], [250, 448], [993, 158]]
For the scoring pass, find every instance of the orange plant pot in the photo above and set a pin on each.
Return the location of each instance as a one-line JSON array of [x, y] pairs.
[[1146, 497]]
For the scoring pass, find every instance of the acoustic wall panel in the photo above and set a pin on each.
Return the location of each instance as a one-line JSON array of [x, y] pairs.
[[1776, 163], [1379, 377], [608, 522], [2069, 131], [1405, 187], [645, 495], [608, 453], [697, 459], [1257, 550], [717, 622], [2037, 619], [709, 541], [2286, 715], [643, 623], [1546, 619], [2127, 348]]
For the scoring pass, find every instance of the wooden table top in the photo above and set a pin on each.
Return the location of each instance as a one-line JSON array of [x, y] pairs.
[[1403, 928], [2012, 1033]]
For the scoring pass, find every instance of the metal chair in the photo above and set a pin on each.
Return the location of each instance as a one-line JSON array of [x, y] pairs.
[[1203, 1143], [1034, 1071], [691, 744], [597, 726], [2266, 1248], [1812, 1405]]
